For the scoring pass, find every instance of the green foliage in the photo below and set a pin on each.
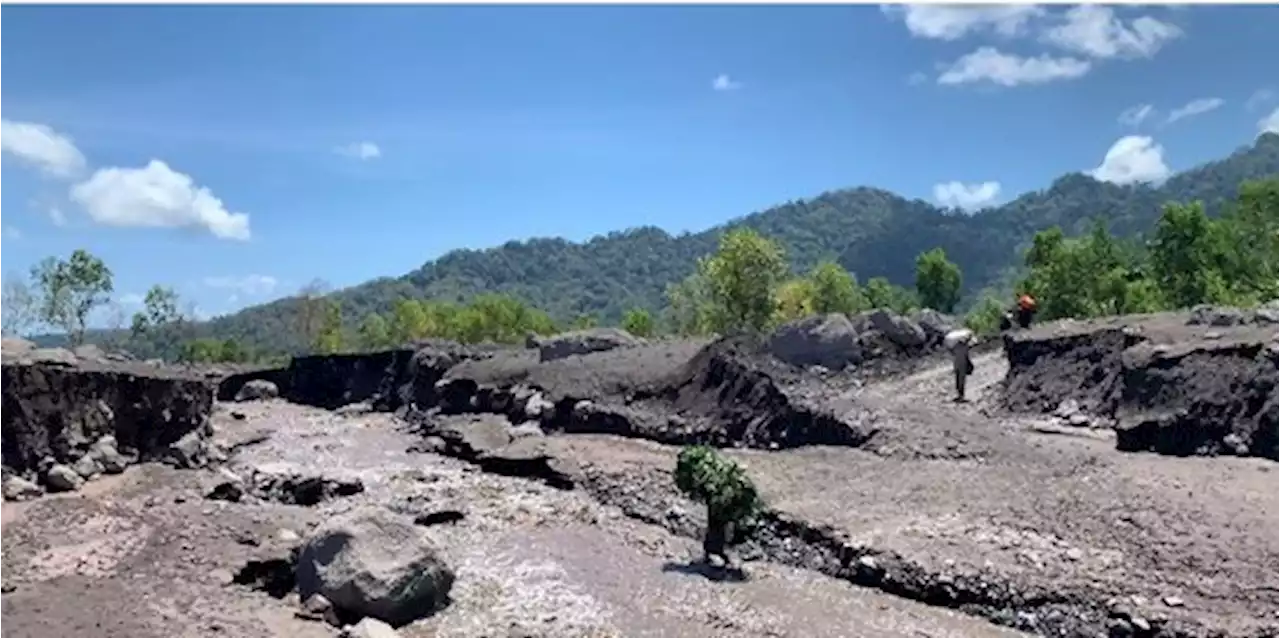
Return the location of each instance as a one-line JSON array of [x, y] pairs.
[[214, 351], [794, 300], [984, 317], [409, 321], [374, 333], [722, 485], [688, 311], [834, 289], [583, 322], [938, 281], [743, 277], [329, 337], [638, 322], [71, 289], [882, 294]]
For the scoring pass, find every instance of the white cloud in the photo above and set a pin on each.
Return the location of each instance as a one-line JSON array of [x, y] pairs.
[[1136, 115], [1095, 30], [1132, 159], [38, 145], [1259, 98], [251, 285], [967, 197], [990, 65], [360, 150], [1193, 108], [952, 22], [1270, 123], [58, 217], [156, 196], [723, 82], [12, 232]]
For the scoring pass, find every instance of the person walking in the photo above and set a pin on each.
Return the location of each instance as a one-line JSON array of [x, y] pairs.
[[959, 342]]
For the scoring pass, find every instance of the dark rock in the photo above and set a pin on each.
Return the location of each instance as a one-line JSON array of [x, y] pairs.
[[371, 563], [898, 329], [58, 411], [438, 518], [1216, 316], [935, 324], [826, 340], [584, 342], [257, 390], [471, 436], [275, 576], [61, 478]]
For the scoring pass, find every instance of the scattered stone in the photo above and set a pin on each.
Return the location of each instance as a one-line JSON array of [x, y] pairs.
[[257, 390], [1079, 420], [1236, 444], [192, 451], [17, 488], [1075, 553], [87, 467], [106, 454], [1067, 409], [288, 536], [373, 564], [1216, 316], [1173, 601], [61, 478], [538, 407], [370, 628], [527, 429]]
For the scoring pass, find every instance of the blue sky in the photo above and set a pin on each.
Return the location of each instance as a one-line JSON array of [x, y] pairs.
[[236, 153]]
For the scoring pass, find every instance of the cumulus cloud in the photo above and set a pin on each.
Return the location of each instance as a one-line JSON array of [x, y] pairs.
[[988, 64], [1270, 123], [1094, 30], [250, 285], [1136, 115], [1193, 108], [967, 197], [38, 145], [723, 82], [1259, 98], [1132, 159], [156, 196], [360, 150], [952, 22]]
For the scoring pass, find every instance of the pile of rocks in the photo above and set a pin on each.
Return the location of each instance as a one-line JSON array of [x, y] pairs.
[[835, 341]]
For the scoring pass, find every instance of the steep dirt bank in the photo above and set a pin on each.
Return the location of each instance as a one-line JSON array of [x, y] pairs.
[[86, 416], [1170, 387]]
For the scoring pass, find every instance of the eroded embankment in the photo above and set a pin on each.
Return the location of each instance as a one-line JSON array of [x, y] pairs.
[[1171, 388]]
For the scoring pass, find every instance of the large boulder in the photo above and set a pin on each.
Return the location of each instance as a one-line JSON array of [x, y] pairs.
[[826, 340], [257, 390], [935, 324], [372, 563], [585, 342], [897, 328]]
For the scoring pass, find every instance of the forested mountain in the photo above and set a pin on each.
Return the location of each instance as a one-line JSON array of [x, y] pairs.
[[871, 232]]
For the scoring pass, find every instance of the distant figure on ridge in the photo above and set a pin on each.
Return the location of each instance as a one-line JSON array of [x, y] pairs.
[[959, 342], [1024, 311]]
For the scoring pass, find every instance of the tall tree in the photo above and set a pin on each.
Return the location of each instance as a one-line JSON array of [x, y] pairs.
[[71, 289], [938, 281], [835, 289], [744, 274], [375, 334]]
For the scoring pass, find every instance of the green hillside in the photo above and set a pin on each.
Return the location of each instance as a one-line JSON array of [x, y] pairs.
[[871, 232]]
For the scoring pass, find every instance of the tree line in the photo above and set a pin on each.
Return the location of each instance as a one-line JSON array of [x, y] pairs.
[[745, 284]]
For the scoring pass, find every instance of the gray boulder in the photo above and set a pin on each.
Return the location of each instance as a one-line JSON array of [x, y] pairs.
[[371, 563], [17, 488], [257, 390], [1267, 314], [827, 340], [585, 342], [1216, 316], [61, 478], [370, 628], [935, 324], [897, 329]]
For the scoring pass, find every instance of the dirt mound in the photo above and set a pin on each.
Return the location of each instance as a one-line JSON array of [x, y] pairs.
[[56, 409], [1172, 388]]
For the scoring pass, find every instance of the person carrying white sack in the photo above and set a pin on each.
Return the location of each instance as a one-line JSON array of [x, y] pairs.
[[959, 342]]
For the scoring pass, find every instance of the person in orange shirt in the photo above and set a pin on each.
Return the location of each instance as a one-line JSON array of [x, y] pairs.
[[1026, 310]]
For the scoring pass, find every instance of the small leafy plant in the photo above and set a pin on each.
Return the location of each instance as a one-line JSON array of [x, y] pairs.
[[722, 485]]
